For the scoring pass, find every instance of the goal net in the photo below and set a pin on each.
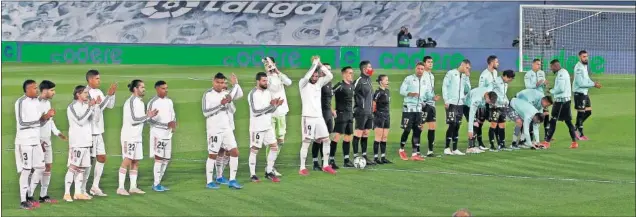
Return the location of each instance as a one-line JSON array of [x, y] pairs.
[[607, 33]]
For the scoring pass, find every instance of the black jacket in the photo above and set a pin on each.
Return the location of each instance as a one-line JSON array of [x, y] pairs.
[[363, 95]]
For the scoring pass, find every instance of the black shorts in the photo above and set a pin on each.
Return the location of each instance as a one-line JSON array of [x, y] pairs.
[[454, 114], [466, 112], [329, 123], [497, 115], [382, 121], [561, 111], [343, 123], [481, 115], [411, 120], [428, 114], [363, 121], [581, 101]]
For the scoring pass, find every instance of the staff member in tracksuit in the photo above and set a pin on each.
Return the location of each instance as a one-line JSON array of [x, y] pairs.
[[362, 109]]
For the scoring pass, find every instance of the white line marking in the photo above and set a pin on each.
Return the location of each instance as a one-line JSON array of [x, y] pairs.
[[428, 171]]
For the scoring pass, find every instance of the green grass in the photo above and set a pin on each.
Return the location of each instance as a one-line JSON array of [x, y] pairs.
[[596, 179]]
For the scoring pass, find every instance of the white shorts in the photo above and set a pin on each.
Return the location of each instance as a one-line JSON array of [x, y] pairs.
[[29, 157], [98, 146], [80, 157], [48, 151], [260, 138], [132, 150], [314, 128], [218, 140], [160, 147]]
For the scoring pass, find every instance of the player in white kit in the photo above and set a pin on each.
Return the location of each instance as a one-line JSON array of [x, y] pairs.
[[98, 149], [81, 115], [276, 83], [223, 157], [161, 128], [131, 140], [218, 111], [262, 105], [313, 125], [47, 91], [28, 154]]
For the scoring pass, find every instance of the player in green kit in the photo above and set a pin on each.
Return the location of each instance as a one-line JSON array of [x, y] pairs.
[[478, 99], [523, 114], [535, 79], [499, 110], [582, 103], [541, 102], [453, 92], [561, 110], [487, 80]]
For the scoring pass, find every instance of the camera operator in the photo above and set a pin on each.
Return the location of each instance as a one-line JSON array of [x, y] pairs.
[[404, 37]]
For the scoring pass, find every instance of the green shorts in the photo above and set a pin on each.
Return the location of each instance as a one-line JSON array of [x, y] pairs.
[[280, 126]]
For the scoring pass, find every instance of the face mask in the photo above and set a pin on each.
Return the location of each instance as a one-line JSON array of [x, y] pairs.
[[370, 72]]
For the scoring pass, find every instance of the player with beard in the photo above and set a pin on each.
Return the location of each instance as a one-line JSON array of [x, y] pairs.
[[313, 124], [47, 91], [582, 103], [487, 80], [363, 113], [561, 109], [326, 93], [343, 92]]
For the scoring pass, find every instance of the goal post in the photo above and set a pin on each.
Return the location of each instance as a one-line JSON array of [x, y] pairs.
[[606, 32]]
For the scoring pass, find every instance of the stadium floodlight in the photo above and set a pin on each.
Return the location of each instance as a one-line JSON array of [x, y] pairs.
[[561, 31]]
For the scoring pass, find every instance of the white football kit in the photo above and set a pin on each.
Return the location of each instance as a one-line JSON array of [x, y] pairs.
[[160, 133], [220, 119], [80, 116], [132, 128], [45, 132], [313, 124], [28, 153], [98, 146], [261, 130]]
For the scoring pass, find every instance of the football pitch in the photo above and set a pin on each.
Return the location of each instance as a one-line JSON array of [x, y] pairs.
[[596, 179]]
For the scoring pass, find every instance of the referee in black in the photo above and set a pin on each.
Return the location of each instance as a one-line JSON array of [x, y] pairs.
[[362, 110], [343, 92], [326, 94]]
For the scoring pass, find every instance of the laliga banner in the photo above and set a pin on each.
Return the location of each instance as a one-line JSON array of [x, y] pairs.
[[373, 23]]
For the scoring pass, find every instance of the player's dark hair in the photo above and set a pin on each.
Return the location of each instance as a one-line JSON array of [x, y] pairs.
[[549, 99], [344, 69], [364, 63], [427, 58], [539, 117], [582, 52], [219, 76], [27, 83], [380, 77], [260, 75], [133, 84], [492, 96], [326, 64], [272, 58], [91, 73], [78, 89], [466, 61], [46, 85], [490, 59], [159, 83], [509, 73], [554, 61], [536, 60]]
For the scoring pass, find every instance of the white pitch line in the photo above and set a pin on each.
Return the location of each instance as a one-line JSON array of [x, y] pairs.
[[431, 172]]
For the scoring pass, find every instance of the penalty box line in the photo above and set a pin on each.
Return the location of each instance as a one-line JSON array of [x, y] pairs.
[[424, 171]]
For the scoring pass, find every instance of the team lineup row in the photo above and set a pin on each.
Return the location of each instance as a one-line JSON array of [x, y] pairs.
[[322, 125]]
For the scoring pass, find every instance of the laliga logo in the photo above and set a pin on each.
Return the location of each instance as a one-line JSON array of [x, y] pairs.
[[167, 9]]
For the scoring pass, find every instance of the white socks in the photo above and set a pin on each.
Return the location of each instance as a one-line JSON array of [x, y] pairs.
[[209, 170], [157, 172], [303, 155], [24, 184], [326, 150], [68, 181], [46, 179], [79, 182], [271, 159], [252, 161], [35, 180], [233, 167], [221, 161], [122, 177], [99, 169], [133, 179], [87, 173]]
